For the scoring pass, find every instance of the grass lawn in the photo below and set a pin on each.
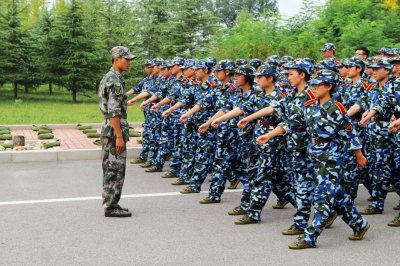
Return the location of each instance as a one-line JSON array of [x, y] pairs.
[[38, 107]]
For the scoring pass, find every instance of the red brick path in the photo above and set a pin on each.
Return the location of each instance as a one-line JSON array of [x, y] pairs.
[[71, 138]]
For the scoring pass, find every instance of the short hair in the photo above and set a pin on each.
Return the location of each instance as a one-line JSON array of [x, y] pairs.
[[364, 49]]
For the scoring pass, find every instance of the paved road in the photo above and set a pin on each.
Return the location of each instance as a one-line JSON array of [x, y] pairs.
[[165, 229]]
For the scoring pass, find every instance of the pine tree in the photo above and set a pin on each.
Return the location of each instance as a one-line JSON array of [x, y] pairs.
[[75, 51], [12, 53]]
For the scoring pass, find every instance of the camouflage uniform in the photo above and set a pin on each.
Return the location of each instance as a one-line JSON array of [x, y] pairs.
[[226, 144], [351, 171], [205, 145], [177, 128], [382, 142], [301, 166], [155, 121], [245, 160], [328, 126], [165, 144], [113, 103], [270, 176], [330, 129], [144, 86], [189, 134]]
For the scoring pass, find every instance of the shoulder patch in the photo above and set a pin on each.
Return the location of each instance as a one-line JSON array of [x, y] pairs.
[[309, 102], [213, 84], [364, 84], [341, 108], [370, 86], [310, 94], [367, 86], [232, 86]]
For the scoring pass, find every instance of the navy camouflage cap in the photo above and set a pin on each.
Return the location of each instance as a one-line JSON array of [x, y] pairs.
[[385, 51], [328, 46], [166, 64], [240, 62], [121, 51], [178, 61], [382, 63], [325, 75], [357, 62], [273, 60], [310, 60], [203, 63], [301, 64], [370, 61], [157, 61], [256, 62], [327, 63], [246, 70], [148, 62], [286, 58], [189, 63], [267, 70], [211, 60], [396, 51], [225, 64], [395, 60]]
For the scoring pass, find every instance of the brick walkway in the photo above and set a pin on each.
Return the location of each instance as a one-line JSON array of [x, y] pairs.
[[71, 138]]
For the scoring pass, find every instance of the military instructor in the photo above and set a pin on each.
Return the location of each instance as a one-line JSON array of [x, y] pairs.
[[114, 131]]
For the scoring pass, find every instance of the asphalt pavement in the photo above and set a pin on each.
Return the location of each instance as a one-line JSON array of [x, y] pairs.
[[51, 214]]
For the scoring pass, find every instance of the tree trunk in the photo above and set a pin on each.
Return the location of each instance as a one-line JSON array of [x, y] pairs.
[[73, 95], [26, 87], [15, 90], [50, 88]]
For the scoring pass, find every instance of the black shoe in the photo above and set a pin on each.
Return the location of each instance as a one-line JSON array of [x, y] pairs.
[[117, 212]]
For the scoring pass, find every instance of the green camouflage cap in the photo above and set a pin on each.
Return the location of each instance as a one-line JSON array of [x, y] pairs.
[[328, 46], [121, 51]]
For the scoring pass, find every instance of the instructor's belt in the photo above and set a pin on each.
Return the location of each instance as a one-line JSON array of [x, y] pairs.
[[123, 116]]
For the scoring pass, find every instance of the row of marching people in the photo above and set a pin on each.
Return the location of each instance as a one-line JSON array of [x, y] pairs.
[[275, 127]]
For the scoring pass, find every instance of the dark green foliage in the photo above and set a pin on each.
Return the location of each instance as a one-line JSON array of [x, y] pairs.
[[68, 43], [346, 23]]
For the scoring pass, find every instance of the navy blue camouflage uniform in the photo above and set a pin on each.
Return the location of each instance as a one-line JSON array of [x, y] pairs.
[[270, 175]]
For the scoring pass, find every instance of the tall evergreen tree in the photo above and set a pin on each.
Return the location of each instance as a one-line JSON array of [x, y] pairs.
[[12, 53], [76, 52], [45, 59]]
